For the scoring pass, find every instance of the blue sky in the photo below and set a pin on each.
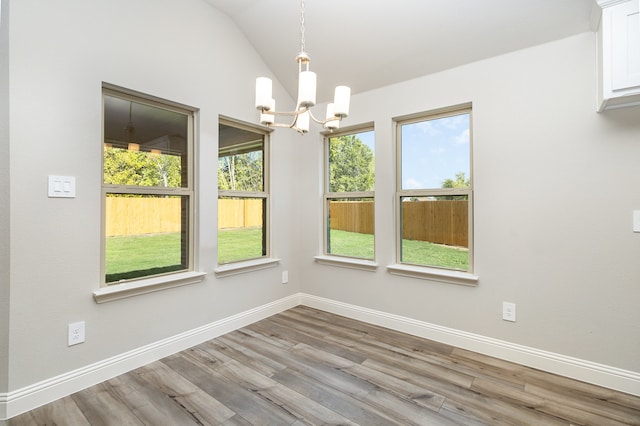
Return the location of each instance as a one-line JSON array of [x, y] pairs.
[[435, 150], [432, 151], [368, 138]]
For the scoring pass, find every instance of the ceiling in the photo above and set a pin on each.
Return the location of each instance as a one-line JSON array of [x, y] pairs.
[[366, 44]]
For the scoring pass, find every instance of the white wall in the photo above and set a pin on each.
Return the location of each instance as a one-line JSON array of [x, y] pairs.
[[555, 186], [4, 195], [61, 52]]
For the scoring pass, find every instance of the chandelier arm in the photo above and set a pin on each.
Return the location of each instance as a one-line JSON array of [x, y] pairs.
[[313, 118], [288, 126], [323, 122], [285, 113], [320, 121], [295, 114]]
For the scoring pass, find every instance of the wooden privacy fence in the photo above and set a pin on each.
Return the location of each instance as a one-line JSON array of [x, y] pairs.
[[154, 215], [135, 215], [440, 222], [234, 213], [352, 216]]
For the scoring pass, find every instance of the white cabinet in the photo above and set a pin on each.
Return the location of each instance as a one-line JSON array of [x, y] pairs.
[[619, 54]]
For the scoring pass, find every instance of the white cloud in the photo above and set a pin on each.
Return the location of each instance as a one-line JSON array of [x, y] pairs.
[[454, 121], [411, 184], [426, 127], [462, 138]]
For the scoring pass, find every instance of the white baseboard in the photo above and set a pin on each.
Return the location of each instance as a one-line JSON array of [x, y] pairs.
[[33, 396], [38, 394], [586, 371]]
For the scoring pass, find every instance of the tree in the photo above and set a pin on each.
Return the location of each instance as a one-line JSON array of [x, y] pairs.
[[460, 182], [124, 167], [351, 165], [168, 169], [241, 172]]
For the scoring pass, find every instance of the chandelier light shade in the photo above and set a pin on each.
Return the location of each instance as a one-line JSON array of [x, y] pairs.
[[302, 115]]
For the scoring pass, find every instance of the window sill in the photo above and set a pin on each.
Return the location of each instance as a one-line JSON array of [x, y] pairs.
[[347, 262], [434, 274], [246, 266], [135, 288]]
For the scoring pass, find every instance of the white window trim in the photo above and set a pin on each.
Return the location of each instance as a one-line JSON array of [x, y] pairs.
[[347, 262], [245, 266], [147, 285], [422, 271], [434, 274]]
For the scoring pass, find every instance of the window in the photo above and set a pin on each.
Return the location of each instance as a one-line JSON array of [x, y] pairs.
[[147, 187], [435, 202], [243, 198], [349, 195]]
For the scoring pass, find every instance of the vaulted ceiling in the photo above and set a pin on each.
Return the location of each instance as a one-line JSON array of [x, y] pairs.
[[367, 44]]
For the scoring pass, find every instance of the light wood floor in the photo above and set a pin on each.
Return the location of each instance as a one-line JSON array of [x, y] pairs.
[[305, 366]]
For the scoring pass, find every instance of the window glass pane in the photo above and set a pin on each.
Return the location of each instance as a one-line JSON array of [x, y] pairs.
[[144, 145], [241, 230], [240, 160], [436, 153], [242, 218], [435, 231], [352, 163], [126, 167], [145, 235], [350, 227]]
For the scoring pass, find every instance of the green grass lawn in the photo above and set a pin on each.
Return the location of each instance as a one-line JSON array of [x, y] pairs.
[[143, 255], [354, 244], [351, 244], [438, 255], [239, 244]]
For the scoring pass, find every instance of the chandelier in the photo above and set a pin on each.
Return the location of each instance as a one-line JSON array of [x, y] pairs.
[[336, 111]]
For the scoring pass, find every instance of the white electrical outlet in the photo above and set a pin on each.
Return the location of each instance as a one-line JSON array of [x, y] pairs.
[[76, 333], [285, 277], [509, 311]]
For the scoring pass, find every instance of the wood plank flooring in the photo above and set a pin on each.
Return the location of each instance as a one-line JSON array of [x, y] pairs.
[[309, 367]]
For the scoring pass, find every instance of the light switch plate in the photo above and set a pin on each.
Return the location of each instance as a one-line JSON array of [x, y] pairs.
[[636, 221], [62, 186]]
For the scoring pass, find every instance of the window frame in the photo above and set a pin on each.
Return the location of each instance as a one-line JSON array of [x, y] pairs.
[[332, 258], [245, 265], [141, 285], [436, 273]]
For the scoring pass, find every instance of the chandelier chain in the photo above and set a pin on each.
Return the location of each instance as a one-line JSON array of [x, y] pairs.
[[301, 25]]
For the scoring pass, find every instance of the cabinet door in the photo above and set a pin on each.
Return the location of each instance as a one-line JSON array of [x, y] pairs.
[[625, 45]]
